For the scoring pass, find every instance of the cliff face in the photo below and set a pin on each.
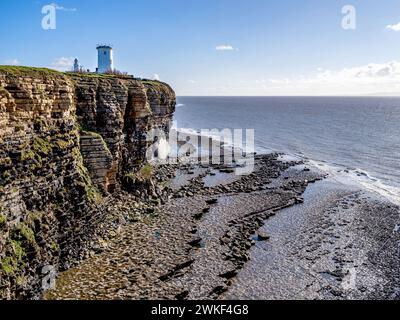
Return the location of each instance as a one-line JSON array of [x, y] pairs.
[[122, 111], [66, 141]]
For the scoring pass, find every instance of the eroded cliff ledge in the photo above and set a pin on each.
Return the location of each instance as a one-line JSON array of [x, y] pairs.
[[67, 141]]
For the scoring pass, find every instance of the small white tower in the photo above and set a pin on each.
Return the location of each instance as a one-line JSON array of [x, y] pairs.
[[105, 60], [76, 65]]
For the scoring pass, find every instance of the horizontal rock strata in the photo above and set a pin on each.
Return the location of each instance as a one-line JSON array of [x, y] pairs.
[[67, 142]]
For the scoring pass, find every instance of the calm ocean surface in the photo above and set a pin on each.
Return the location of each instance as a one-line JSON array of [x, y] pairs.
[[354, 136]]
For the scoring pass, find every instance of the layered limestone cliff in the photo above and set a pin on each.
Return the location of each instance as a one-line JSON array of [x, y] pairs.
[[67, 141]]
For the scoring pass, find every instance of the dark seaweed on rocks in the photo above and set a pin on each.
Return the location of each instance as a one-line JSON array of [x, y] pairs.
[[195, 243]]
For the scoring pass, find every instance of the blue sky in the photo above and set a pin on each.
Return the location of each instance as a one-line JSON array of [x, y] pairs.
[[276, 47]]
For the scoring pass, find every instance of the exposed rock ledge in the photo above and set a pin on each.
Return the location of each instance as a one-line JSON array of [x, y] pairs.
[[67, 141]]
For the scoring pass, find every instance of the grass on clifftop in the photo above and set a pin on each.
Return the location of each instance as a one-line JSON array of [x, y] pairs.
[[156, 85], [19, 70], [97, 75], [45, 72]]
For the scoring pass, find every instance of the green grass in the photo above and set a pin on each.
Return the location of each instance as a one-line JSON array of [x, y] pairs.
[[146, 172], [20, 70], [27, 233], [62, 144], [6, 176], [93, 195], [97, 75], [131, 178], [42, 146], [97, 136], [54, 246], [21, 281], [88, 75], [92, 134], [12, 264], [19, 251], [3, 221], [23, 70], [27, 155], [8, 265], [153, 83], [157, 86], [33, 217]]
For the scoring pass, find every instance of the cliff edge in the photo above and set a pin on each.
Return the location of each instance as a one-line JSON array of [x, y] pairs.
[[67, 143]]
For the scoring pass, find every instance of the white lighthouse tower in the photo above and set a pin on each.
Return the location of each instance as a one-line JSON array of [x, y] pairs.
[[105, 59], [76, 65]]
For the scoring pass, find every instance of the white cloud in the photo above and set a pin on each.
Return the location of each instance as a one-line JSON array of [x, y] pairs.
[[225, 47], [156, 77], [280, 81], [62, 64], [394, 27], [367, 79], [61, 8], [370, 72], [192, 81], [12, 62]]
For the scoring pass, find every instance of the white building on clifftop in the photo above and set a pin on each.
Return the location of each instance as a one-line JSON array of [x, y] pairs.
[[76, 65], [105, 59]]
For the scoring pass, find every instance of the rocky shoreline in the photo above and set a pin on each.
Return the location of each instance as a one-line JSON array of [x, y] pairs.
[[342, 243], [190, 239]]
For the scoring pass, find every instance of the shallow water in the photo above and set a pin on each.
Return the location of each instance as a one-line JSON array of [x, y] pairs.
[[316, 250], [358, 134]]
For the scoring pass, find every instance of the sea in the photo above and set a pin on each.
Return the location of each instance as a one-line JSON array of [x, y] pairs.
[[355, 140]]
